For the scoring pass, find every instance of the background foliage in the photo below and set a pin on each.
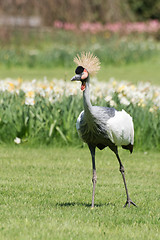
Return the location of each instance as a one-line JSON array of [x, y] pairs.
[[22, 48], [46, 123], [145, 9], [77, 11]]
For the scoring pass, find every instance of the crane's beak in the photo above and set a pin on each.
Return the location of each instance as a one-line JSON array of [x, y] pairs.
[[77, 77]]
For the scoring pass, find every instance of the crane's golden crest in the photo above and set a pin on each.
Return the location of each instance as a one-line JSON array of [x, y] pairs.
[[88, 61]]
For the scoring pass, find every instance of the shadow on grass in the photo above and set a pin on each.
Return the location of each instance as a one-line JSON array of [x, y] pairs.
[[72, 204]]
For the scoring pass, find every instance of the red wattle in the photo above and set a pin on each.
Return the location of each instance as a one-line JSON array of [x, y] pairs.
[[82, 87]]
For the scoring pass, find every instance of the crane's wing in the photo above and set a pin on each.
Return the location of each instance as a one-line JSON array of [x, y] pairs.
[[79, 120], [120, 129], [79, 124]]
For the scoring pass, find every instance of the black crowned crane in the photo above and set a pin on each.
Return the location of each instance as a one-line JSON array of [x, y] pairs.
[[101, 126]]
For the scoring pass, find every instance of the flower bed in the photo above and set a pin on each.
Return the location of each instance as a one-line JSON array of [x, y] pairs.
[[141, 94], [46, 111], [151, 26]]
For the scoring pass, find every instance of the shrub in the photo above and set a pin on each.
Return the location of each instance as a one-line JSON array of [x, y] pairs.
[[42, 112]]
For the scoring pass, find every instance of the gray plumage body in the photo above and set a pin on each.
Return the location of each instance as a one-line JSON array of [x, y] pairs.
[[91, 125]]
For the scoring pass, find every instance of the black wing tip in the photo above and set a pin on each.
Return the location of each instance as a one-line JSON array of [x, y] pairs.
[[101, 146], [128, 147]]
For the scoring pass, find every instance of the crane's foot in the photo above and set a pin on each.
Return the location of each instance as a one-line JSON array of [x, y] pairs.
[[129, 202]]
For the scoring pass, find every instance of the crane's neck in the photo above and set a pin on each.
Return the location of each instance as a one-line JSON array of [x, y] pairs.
[[86, 98]]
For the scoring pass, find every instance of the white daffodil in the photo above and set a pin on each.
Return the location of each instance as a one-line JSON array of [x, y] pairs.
[[139, 94], [17, 140], [29, 101], [124, 101]]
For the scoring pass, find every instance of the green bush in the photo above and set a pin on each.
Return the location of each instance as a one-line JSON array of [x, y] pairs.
[[55, 123], [113, 51], [145, 9]]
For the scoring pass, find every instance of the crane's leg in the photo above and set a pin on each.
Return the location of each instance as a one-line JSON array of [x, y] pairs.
[[94, 178], [129, 201]]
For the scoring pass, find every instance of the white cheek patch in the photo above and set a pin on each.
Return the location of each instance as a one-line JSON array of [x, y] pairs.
[[120, 128]]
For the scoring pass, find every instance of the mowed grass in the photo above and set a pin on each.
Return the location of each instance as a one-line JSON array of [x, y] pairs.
[[146, 71], [46, 194]]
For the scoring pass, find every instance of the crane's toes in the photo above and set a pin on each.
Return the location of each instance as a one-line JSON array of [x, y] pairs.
[[129, 202]]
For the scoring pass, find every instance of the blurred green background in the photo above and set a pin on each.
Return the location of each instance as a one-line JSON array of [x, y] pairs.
[[40, 38]]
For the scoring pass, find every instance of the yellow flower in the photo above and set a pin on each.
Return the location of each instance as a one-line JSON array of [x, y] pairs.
[[121, 88], [11, 86], [30, 94], [141, 103], [133, 87], [156, 94], [153, 109], [51, 86], [43, 86], [20, 80], [114, 83]]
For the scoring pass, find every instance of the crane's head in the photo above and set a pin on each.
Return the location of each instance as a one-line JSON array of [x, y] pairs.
[[87, 64], [81, 75]]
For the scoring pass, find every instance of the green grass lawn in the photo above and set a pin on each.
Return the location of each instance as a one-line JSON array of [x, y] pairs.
[[46, 194], [135, 72], [147, 71]]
